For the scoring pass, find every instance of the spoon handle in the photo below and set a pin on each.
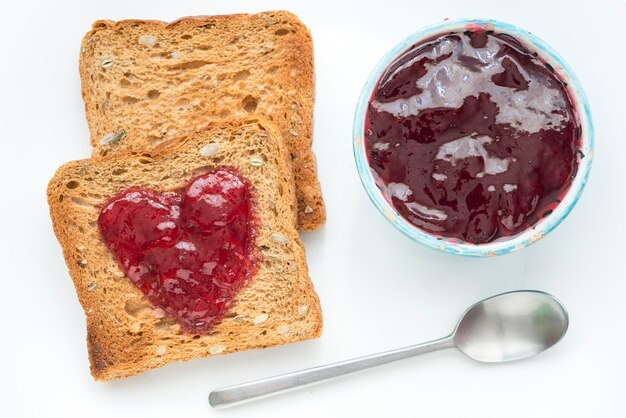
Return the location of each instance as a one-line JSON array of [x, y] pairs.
[[237, 394]]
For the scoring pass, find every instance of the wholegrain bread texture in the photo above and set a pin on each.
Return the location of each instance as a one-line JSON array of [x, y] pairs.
[[145, 82], [125, 333]]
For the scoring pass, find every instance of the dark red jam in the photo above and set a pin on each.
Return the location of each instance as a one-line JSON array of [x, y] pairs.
[[188, 253], [471, 137]]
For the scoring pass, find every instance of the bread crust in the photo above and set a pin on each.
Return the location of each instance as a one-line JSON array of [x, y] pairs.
[[126, 334], [282, 64]]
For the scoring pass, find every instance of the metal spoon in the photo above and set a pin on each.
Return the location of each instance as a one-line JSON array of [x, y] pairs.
[[506, 327]]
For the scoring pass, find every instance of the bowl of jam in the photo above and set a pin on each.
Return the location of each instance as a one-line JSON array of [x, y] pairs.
[[473, 137]]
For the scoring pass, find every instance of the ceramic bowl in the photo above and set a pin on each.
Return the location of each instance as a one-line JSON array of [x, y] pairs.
[[503, 245]]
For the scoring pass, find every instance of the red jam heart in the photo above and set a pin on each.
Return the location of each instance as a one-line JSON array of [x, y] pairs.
[[188, 253]]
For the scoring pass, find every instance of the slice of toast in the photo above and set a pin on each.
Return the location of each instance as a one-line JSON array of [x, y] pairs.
[[144, 82], [126, 334]]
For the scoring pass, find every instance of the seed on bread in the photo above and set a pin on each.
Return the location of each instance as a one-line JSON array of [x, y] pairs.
[[279, 238], [282, 329], [209, 150], [147, 40], [91, 286], [260, 319], [256, 161], [107, 138], [106, 63], [161, 350], [113, 138], [216, 349], [118, 136], [303, 310]]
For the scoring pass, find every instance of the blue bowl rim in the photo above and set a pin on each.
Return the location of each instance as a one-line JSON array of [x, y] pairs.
[[509, 244]]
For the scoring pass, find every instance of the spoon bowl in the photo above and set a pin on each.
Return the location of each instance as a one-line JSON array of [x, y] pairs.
[[511, 326]]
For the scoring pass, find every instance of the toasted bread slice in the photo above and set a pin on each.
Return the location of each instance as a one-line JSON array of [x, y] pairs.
[[144, 82], [125, 333]]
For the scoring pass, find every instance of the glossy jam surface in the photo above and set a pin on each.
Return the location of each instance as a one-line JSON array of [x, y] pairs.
[[188, 253], [471, 137]]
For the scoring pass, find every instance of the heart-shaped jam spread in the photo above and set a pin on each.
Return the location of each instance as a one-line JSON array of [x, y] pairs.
[[189, 253], [471, 137]]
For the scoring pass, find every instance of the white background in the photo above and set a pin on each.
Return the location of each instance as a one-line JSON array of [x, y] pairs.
[[379, 290]]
